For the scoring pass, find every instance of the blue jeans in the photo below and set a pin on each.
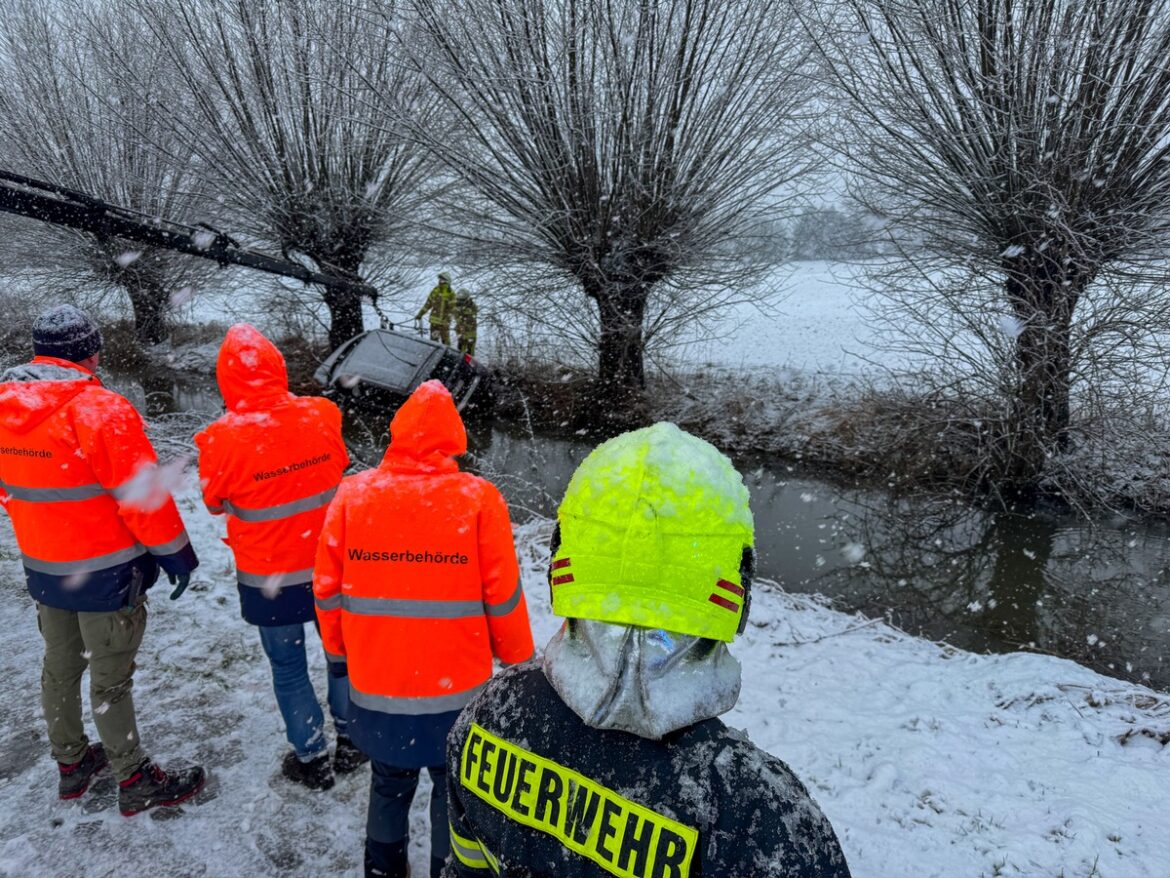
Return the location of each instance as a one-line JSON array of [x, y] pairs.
[[304, 723]]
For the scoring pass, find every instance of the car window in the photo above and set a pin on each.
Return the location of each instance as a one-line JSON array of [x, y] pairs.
[[388, 359]]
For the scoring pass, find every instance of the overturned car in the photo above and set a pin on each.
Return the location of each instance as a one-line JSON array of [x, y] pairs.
[[381, 367]]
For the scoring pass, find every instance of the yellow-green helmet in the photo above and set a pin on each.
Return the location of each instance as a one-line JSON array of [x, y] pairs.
[[655, 530]]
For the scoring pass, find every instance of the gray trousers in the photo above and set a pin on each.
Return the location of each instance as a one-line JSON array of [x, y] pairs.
[[106, 643]]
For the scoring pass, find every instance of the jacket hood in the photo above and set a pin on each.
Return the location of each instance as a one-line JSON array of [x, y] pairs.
[[427, 432], [250, 370], [34, 391]]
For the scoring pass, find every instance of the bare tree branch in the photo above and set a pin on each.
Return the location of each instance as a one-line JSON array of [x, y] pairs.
[[1023, 146], [284, 125], [620, 146], [67, 115]]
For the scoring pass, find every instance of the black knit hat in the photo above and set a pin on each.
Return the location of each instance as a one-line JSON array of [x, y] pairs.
[[67, 333]]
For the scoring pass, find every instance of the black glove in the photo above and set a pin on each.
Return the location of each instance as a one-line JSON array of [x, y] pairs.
[[180, 581]]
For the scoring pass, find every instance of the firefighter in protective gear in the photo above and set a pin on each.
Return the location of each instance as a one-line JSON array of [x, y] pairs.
[[417, 588], [94, 523], [271, 464], [466, 322], [441, 305], [599, 760]]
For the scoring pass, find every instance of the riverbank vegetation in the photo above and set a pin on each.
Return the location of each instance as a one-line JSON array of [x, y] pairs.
[[901, 436]]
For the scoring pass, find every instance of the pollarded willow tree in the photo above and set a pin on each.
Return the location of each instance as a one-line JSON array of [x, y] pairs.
[[67, 116], [286, 131], [1026, 146], [622, 144]]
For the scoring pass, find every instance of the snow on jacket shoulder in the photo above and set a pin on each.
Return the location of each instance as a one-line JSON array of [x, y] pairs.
[[77, 476], [534, 791], [416, 579], [271, 464]]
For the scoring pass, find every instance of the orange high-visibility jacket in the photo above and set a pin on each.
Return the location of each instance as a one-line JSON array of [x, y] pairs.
[[78, 478], [272, 464], [416, 580]]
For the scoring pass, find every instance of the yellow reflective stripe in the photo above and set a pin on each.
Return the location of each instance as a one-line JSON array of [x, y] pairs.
[[622, 837], [467, 850]]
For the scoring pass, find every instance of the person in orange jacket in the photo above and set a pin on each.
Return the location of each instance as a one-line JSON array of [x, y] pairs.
[[417, 587], [94, 525], [271, 464]]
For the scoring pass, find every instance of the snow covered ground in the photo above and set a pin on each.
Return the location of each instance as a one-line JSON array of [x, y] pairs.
[[928, 761], [812, 319]]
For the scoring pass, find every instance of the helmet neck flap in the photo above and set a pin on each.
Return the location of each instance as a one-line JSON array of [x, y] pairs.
[[645, 681]]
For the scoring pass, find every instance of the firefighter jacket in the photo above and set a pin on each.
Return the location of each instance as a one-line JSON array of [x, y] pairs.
[[417, 585], [466, 314], [271, 464], [78, 478], [535, 792], [441, 304]]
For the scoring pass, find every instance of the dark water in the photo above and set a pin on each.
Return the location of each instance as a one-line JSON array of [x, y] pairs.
[[1098, 594]]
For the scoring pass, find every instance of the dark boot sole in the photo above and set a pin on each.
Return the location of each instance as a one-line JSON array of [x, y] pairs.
[[169, 802]]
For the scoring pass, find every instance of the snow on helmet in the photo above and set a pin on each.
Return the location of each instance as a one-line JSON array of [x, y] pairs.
[[655, 530]]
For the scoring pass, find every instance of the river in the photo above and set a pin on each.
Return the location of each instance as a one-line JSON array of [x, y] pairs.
[[1097, 593]]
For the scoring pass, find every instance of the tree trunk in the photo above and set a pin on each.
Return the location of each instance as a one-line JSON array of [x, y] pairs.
[[1038, 413], [149, 301], [345, 309], [345, 316], [621, 374]]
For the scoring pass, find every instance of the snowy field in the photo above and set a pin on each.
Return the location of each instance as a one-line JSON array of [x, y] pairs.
[[810, 317], [928, 761]]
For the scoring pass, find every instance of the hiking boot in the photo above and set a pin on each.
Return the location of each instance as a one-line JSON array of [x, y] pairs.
[[74, 779], [149, 786], [347, 757], [315, 774]]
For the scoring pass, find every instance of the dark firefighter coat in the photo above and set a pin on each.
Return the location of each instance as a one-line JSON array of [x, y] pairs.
[[271, 464], [417, 585], [78, 478], [535, 793]]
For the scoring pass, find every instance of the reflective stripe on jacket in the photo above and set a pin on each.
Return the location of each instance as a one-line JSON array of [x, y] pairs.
[[441, 304], [416, 579], [271, 464], [77, 476]]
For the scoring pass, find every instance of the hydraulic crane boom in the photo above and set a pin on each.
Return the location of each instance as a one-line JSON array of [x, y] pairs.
[[49, 203]]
